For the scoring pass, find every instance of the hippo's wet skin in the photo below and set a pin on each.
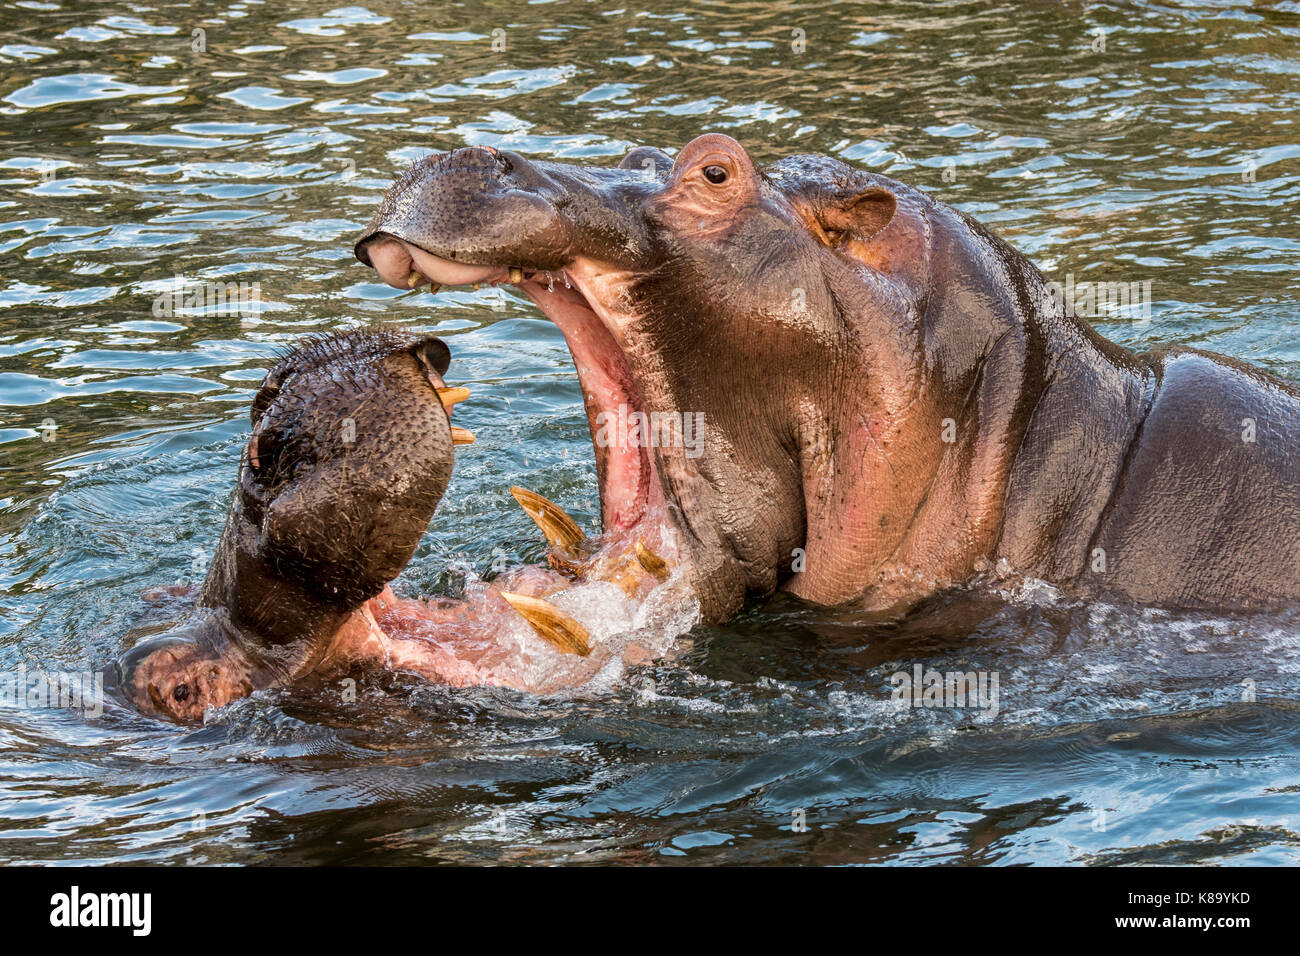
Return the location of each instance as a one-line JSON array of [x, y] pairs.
[[893, 401], [350, 453]]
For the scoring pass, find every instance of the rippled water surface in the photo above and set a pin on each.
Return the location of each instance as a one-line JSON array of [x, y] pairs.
[[144, 146]]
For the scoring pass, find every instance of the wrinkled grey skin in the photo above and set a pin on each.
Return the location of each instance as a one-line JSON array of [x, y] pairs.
[[350, 455], [829, 323]]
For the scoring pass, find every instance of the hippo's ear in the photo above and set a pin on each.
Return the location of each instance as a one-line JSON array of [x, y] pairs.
[[433, 353], [653, 163], [858, 215]]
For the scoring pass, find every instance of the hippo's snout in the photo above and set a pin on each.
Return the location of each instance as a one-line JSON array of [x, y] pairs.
[[477, 214], [467, 208]]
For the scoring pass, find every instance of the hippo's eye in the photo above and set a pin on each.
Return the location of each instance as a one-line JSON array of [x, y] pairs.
[[181, 693], [715, 174]]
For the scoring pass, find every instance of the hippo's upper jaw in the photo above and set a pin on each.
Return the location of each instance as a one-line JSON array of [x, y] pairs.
[[699, 295], [483, 216]]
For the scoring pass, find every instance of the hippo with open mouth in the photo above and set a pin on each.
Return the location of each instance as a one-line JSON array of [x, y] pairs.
[[894, 401], [350, 453]]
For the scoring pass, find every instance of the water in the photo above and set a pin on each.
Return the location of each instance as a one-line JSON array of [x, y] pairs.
[[128, 159]]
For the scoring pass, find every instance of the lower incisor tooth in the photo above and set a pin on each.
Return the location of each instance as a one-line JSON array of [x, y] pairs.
[[561, 531], [413, 280], [655, 565], [461, 436], [551, 623]]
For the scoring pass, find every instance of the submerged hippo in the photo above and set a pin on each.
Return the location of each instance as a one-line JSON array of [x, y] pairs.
[[350, 453], [893, 401]]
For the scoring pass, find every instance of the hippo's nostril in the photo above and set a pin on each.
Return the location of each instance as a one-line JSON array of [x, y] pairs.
[[181, 693], [264, 397], [263, 453]]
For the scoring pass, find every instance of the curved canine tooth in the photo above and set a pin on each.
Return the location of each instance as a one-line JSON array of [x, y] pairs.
[[413, 280], [434, 287], [551, 623], [516, 274], [655, 565], [561, 531], [461, 436], [450, 396]]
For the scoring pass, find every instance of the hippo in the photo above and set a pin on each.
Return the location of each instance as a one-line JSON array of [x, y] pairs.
[[893, 401], [350, 453]]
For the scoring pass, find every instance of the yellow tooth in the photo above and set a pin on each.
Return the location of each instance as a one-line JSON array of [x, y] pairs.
[[551, 623], [476, 286], [561, 531], [434, 287], [516, 274], [461, 436], [654, 564], [450, 396], [413, 280]]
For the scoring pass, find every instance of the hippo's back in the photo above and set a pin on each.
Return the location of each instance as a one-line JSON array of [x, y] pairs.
[[1207, 509]]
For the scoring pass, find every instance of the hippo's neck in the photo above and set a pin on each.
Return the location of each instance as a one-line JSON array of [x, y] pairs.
[[1001, 434], [1072, 453], [1043, 420]]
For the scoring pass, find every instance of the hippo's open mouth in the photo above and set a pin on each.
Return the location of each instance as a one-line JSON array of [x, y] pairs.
[[625, 469]]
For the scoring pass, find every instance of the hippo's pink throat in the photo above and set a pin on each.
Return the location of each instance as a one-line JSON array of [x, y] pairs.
[[580, 299]]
